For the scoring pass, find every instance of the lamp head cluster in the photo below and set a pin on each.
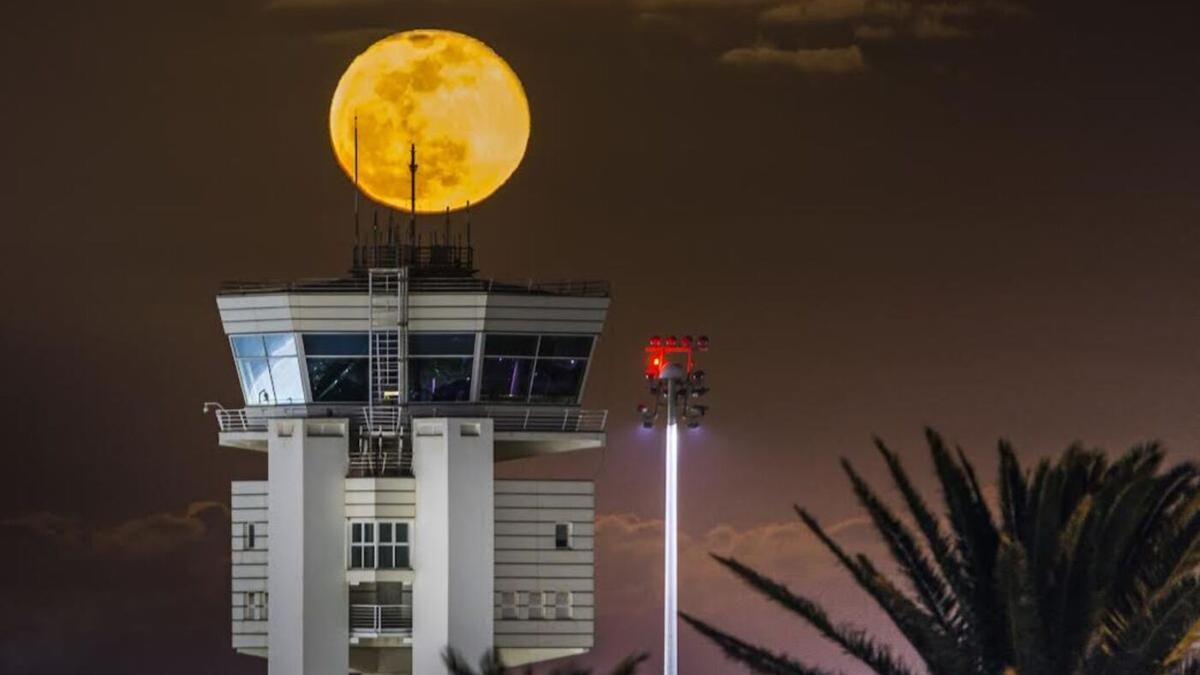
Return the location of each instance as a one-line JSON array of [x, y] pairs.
[[675, 383]]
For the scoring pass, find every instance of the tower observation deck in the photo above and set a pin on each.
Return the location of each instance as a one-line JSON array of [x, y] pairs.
[[383, 399]]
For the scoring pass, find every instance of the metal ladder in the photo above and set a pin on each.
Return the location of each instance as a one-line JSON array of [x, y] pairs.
[[387, 335], [381, 439]]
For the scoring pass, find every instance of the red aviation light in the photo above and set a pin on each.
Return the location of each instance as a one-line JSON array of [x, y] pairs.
[[661, 352]]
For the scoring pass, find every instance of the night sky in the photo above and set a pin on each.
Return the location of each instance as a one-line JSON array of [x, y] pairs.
[[973, 214]]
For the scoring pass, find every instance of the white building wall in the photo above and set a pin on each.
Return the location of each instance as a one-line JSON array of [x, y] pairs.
[[308, 619], [528, 561], [452, 541], [250, 602], [437, 312]]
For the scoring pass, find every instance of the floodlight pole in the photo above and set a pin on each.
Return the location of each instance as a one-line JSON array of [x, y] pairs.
[[671, 543], [675, 388]]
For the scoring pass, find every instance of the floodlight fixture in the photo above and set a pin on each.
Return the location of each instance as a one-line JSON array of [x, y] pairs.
[[674, 384]]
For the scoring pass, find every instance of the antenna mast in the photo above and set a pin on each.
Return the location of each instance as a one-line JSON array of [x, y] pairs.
[[412, 169], [356, 237]]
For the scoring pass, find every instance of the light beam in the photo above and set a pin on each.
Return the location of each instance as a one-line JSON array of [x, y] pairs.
[[671, 545]]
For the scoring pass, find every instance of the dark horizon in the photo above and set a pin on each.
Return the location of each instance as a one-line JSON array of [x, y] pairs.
[[981, 220]]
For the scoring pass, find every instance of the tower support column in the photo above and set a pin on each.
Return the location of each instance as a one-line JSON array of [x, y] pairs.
[[308, 621], [453, 540]]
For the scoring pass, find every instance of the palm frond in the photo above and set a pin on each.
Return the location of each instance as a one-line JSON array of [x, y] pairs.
[[455, 663], [755, 658], [931, 589], [630, 664], [1026, 631], [853, 641]]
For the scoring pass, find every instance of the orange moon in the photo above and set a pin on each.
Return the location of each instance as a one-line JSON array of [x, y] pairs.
[[447, 93]]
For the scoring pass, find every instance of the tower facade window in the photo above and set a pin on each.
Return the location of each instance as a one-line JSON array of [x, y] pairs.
[[250, 538], [383, 544]]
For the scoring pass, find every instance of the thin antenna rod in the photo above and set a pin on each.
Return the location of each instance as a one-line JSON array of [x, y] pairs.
[[412, 169], [447, 235]]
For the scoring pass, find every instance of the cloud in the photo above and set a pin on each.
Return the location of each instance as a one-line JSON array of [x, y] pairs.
[[824, 61], [867, 32], [323, 4], [889, 19], [698, 4], [361, 37], [103, 588], [629, 580], [816, 11], [783, 549], [141, 538]]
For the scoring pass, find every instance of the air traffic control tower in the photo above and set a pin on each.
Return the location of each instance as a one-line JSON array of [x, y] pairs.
[[384, 400]]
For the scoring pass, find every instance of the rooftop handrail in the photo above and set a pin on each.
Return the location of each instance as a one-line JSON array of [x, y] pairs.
[[237, 420], [395, 419], [418, 284]]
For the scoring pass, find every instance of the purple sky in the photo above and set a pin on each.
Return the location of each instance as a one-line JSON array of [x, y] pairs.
[[976, 215]]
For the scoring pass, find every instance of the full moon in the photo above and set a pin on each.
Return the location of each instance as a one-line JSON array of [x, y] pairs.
[[447, 93]]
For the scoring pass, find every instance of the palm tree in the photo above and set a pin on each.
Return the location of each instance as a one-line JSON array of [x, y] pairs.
[[492, 664], [1089, 567]]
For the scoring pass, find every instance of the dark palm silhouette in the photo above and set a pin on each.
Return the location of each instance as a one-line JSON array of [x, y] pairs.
[[491, 664], [1088, 568]]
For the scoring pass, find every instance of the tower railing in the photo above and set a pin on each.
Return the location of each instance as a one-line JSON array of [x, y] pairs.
[[381, 419], [419, 284], [381, 620], [381, 452]]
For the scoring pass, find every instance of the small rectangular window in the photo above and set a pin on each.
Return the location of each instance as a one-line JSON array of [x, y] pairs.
[[562, 535], [256, 606], [562, 605], [536, 608], [362, 545], [250, 535], [508, 605], [379, 545]]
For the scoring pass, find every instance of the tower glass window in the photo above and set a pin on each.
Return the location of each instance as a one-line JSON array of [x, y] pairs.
[[268, 368], [337, 365], [533, 368], [439, 366]]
